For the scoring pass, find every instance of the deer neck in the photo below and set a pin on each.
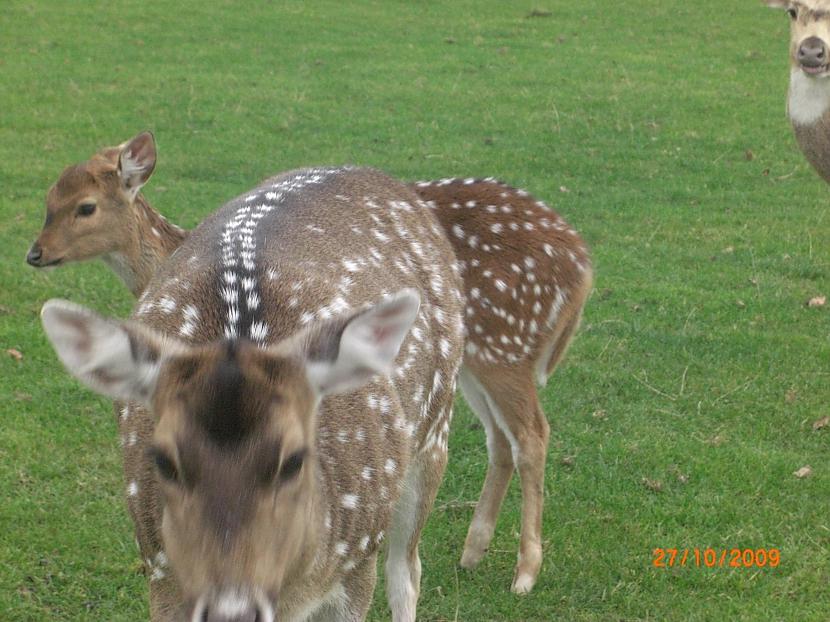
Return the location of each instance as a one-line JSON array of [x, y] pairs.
[[808, 99], [153, 240]]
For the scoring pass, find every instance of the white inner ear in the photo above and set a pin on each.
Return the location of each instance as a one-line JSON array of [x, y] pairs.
[[98, 352], [132, 171], [368, 345]]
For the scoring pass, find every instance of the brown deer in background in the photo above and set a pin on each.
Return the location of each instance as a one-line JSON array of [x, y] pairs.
[[289, 402], [808, 100], [526, 277]]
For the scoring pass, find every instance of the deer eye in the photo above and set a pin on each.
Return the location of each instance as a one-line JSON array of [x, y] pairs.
[[793, 12], [86, 209], [292, 465], [165, 465]]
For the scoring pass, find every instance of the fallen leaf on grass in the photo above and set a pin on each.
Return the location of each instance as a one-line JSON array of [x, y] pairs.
[[817, 301], [821, 423], [539, 13], [564, 189], [805, 471], [791, 396], [749, 155], [17, 355], [653, 485], [567, 461], [599, 414]]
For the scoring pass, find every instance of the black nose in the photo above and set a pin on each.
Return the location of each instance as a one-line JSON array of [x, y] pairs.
[[812, 52], [34, 255]]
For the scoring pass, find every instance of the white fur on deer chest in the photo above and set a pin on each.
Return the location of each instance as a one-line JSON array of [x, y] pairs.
[[808, 98]]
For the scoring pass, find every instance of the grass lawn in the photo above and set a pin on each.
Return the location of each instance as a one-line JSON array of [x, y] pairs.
[[656, 128]]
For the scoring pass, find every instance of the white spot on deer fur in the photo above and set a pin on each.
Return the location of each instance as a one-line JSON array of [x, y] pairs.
[[350, 265], [500, 285], [364, 543], [366, 473], [380, 235], [458, 231], [125, 413], [349, 501], [341, 549], [470, 204], [167, 305], [497, 227], [259, 331], [390, 466], [252, 301], [132, 489], [445, 347], [469, 181], [155, 232]]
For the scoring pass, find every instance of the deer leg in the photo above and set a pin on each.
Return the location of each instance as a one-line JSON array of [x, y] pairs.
[[520, 417], [499, 471], [165, 602], [403, 564], [352, 604]]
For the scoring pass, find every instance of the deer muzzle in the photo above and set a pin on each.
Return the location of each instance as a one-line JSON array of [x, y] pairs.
[[237, 605]]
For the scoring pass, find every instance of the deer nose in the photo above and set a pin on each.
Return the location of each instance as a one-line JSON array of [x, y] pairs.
[[34, 255], [812, 52]]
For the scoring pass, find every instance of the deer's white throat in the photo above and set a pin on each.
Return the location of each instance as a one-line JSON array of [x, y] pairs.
[[808, 99]]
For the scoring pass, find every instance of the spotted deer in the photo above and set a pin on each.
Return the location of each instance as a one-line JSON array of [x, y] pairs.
[[289, 396], [526, 277], [808, 100]]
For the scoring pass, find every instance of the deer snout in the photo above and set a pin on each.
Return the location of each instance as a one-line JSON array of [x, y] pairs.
[[34, 256], [812, 53], [232, 607]]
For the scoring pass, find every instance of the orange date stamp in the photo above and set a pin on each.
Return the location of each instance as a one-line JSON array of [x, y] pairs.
[[716, 558]]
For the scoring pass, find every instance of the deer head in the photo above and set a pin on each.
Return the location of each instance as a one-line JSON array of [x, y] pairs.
[[810, 35], [85, 208], [235, 437]]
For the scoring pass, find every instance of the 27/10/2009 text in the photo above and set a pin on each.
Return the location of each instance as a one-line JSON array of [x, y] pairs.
[[716, 558]]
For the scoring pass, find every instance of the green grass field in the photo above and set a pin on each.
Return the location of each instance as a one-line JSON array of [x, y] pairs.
[[656, 128]]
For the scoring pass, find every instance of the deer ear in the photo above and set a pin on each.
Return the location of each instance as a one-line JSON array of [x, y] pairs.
[[116, 359], [344, 355], [136, 162]]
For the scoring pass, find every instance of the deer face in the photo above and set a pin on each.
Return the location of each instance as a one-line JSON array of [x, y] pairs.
[[234, 436], [234, 441], [87, 210], [810, 35]]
